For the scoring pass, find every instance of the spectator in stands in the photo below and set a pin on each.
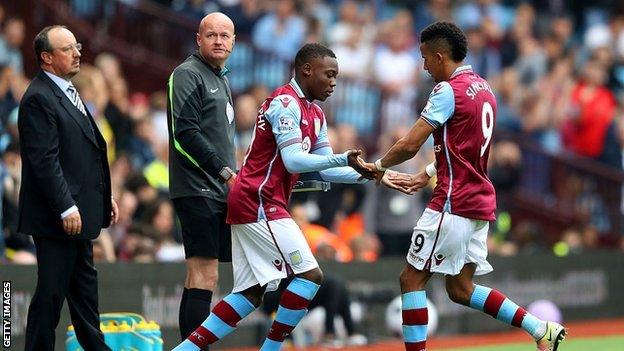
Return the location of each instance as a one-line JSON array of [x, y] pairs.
[[471, 14], [553, 104], [427, 12], [510, 94], [281, 31], [592, 112], [91, 85], [195, 9], [528, 237], [322, 12], [158, 112], [145, 193], [11, 177], [141, 145], [127, 206], [353, 16], [320, 238], [342, 200], [246, 112], [245, 14], [138, 245], [7, 100], [354, 56], [484, 59], [160, 218], [395, 68], [10, 44], [110, 66], [504, 170], [573, 240], [104, 248], [121, 169], [157, 171], [118, 112]]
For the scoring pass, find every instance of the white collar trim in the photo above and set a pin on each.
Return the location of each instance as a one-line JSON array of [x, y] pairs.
[[461, 69]]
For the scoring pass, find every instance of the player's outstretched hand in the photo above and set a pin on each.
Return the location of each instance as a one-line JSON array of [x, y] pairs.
[[390, 174], [355, 162], [411, 182], [371, 168]]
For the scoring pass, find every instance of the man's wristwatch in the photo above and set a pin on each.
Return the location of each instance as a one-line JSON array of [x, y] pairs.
[[225, 174]]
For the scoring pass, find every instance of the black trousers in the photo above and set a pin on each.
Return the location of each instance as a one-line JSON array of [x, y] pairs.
[[64, 270]]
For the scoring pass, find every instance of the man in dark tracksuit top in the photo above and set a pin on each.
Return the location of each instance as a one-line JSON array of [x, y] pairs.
[[201, 147]]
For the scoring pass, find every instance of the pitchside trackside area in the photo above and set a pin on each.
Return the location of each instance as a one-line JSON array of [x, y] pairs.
[[604, 335]]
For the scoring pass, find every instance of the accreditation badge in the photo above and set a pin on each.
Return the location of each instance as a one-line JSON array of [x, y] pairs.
[[229, 111]]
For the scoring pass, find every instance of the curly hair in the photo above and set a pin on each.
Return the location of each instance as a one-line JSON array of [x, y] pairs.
[[312, 51], [446, 36]]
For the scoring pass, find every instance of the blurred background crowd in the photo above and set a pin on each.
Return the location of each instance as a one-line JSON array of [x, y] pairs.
[[557, 68]]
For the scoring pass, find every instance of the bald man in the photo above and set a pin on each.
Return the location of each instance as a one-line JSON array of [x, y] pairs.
[[65, 197], [201, 125]]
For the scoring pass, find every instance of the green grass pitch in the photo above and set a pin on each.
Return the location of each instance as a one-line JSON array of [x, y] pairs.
[[604, 343]]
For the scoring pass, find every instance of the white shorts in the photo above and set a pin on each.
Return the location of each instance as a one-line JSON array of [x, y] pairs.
[[444, 243], [266, 252]]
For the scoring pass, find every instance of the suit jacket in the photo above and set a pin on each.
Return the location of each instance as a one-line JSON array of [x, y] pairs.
[[64, 163]]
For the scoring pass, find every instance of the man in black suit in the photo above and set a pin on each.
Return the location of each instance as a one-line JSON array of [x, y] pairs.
[[65, 198]]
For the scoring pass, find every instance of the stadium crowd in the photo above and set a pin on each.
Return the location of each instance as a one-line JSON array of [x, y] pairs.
[[558, 74]]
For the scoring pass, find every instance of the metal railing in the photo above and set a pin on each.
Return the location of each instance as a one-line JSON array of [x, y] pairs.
[[564, 190]]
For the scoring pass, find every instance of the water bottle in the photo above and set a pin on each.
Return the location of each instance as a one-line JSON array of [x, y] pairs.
[[124, 337], [110, 335], [71, 341], [154, 329], [141, 337]]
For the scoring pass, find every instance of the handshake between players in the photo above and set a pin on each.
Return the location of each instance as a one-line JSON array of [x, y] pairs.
[[403, 182]]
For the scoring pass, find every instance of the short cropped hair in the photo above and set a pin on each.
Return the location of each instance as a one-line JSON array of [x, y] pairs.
[[312, 51], [446, 36], [42, 42]]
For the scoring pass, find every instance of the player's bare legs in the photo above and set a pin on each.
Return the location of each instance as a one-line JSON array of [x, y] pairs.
[[412, 279], [460, 287], [415, 316], [201, 273], [462, 290], [293, 306]]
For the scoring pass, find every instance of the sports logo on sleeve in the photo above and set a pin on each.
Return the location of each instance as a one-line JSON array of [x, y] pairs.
[[286, 124], [285, 101]]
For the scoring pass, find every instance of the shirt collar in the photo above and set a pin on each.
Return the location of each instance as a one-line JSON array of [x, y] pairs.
[[60, 82], [294, 85], [219, 72], [461, 69]]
